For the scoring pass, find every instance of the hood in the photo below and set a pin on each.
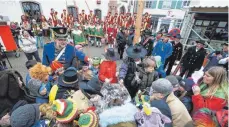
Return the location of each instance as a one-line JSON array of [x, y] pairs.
[[115, 115], [34, 86]]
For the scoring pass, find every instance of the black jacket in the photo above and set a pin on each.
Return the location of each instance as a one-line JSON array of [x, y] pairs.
[[193, 59], [177, 51], [121, 40]]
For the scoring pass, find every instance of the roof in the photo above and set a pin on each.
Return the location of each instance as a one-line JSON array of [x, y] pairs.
[[209, 3]]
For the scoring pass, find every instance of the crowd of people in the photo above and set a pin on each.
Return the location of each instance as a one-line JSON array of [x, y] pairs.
[[67, 88]]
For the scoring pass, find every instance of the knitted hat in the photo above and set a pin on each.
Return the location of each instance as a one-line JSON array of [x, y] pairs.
[[173, 80], [162, 86], [188, 83], [66, 110], [25, 116], [89, 119], [56, 65]]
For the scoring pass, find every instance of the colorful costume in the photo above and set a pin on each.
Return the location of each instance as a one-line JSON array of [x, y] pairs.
[[78, 37], [99, 35]]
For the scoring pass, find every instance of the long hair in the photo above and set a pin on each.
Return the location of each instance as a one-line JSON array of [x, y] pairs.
[[47, 112], [219, 81]]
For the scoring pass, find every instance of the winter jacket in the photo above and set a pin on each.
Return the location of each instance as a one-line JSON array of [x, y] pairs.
[[193, 59], [163, 49], [108, 70], [130, 39], [180, 115], [177, 51], [118, 116], [217, 102], [155, 119], [121, 40], [146, 78], [28, 45]]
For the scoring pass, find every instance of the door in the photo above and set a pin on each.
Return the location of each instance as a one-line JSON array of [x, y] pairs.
[[74, 12], [98, 13]]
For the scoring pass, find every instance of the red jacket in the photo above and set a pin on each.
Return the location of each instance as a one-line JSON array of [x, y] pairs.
[[212, 103], [108, 70]]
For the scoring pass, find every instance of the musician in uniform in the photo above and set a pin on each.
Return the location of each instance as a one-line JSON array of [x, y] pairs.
[[54, 17], [61, 51], [110, 36], [176, 55], [64, 17], [193, 58]]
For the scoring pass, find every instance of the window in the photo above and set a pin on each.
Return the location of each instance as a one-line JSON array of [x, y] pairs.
[[32, 9], [73, 11], [167, 4], [148, 4], [98, 13], [186, 3]]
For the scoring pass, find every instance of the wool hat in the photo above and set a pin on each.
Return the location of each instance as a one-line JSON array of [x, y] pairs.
[[25, 116], [188, 83], [110, 54], [55, 65], [162, 86], [66, 110], [173, 80], [18, 104], [89, 119]]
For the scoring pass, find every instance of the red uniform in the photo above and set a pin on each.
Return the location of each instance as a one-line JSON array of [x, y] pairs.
[[110, 32], [54, 18]]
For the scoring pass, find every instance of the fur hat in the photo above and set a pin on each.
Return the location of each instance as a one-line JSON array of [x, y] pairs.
[[89, 119], [25, 116], [66, 110], [162, 86], [113, 95]]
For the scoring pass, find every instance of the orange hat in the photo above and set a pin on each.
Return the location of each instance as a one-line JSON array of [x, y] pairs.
[[56, 65]]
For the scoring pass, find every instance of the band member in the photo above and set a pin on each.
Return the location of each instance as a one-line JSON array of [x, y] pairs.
[[91, 16], [64, 17], [70, 21], [54, 17], [99, 34], [83, 17], [110, 36], [109, 17]]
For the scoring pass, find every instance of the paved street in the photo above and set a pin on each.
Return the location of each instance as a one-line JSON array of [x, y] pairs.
[[19, 63]]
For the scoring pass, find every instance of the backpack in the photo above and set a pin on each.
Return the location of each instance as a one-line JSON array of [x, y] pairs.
[[10, 92], [209, 118]]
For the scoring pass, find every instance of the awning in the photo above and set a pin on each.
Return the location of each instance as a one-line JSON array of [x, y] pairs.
[[209, 10]]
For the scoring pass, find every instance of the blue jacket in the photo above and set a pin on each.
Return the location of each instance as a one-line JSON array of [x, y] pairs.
[[162, 49], [70, 53]]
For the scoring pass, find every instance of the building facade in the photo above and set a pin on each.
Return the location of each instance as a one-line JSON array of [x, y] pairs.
[[206, 20], [34, 8], [166, 14]]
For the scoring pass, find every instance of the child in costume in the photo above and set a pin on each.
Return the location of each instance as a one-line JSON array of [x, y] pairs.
[[39, 85], [95, 66]]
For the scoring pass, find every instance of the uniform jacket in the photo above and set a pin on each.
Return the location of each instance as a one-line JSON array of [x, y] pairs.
[[108, 70], [193, 59], [217, 102], [162, 49], [180, 115], [177, 51], [70, 54], [118, 116]]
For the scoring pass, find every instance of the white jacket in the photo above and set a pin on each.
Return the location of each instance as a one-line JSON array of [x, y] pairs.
[[28, 45]]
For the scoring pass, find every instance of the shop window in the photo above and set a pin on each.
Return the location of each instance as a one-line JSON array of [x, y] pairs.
[[73, 11], [148, 4], [186, 3], [167, 4], [213, 30], [32, 10]]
